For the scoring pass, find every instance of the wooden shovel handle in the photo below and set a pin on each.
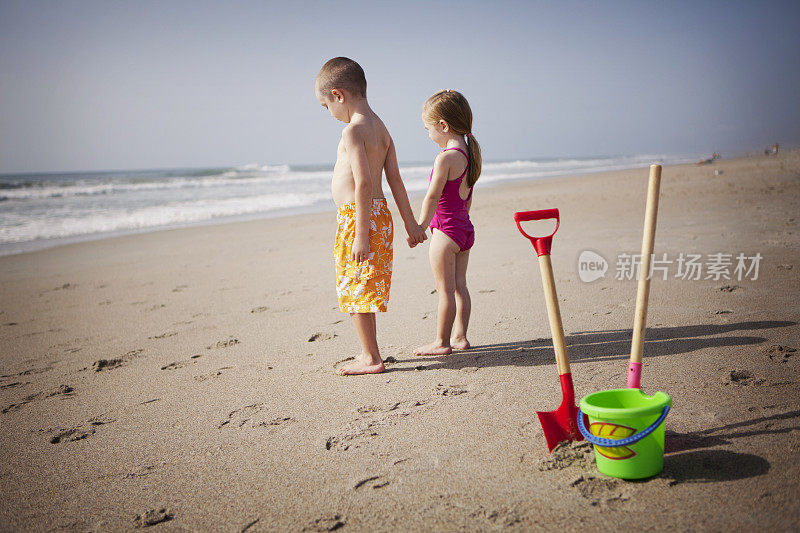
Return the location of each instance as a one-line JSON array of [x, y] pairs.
[[643, 292], [554, 314]]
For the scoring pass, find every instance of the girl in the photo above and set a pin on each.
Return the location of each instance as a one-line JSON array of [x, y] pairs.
[[448, 119]]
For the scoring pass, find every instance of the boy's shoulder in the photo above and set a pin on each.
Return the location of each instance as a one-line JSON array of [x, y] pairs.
[[368, 129]]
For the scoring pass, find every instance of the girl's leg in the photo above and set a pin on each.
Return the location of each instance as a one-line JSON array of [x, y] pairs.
[[458, 339], [443, 263]]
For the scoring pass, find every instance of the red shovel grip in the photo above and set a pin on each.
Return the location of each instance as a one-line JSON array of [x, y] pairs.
[[540, 244]]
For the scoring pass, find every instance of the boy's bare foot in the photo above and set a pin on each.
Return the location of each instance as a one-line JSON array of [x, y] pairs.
[[460, 344], [361, 365], [434, 348]]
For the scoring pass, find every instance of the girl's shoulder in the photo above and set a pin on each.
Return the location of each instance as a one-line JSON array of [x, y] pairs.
[[450, 157], [451, 163]]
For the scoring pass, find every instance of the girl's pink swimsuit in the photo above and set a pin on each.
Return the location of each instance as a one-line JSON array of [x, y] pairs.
[[452, 216]]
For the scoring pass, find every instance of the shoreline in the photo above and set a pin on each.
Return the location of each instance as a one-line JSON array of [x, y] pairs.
[[25, 247]]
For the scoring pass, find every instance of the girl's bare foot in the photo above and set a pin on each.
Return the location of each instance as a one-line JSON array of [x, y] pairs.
[[434, 348], [460, 344], [362, 365]]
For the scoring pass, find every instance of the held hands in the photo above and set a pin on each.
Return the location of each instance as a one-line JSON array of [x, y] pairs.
[[416, 235]]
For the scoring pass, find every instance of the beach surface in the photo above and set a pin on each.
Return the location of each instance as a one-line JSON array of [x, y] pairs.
[[183, 380]]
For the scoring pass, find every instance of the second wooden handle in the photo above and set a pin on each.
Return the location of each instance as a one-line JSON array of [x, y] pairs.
[[648, 240]]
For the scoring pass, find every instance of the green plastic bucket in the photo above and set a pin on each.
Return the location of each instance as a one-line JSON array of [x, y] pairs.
[[626, 427]]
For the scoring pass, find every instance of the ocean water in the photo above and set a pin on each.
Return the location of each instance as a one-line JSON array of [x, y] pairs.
[[42, 210]]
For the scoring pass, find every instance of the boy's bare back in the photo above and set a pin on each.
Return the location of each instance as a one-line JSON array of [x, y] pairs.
[[369, 132]]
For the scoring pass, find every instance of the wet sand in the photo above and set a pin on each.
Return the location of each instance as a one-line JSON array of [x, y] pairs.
[[184, 379]]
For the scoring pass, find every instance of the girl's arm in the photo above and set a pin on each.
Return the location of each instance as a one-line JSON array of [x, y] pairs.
[[441, 169], [415, 232]]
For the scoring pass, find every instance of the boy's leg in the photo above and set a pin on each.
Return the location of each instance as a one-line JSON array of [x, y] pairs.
[[443, 263], [458, 339], [369, 361]]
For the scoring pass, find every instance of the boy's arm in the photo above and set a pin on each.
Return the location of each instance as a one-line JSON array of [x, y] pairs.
[[438, 180], [357, 154], [415, 232]]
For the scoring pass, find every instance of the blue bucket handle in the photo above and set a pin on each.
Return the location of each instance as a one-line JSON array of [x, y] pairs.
[[614, 443]]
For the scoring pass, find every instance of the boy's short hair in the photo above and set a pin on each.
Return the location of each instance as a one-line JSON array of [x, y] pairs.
[[342, 73]]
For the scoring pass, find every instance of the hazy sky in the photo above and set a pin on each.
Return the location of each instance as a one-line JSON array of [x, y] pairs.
[[141, 84]]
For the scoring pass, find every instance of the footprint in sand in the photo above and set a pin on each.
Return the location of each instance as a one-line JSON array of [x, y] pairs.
[[366, 426], [223, 344], [152, 517], [449, 390], [30, 371], [729, 288], [497, 518], [213, 374], [180, 364], [63, 390], [81, 431], [110, 364], [599, 490], [255, 415], [322, 337], [780, 354], [140, 471], [164, 335], [744, 377], [326, 523]]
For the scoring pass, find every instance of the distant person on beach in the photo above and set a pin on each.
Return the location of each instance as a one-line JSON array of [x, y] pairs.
[[363, 243], [709, 160], [445, 209]]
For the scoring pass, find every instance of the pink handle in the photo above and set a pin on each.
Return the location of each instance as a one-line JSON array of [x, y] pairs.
[[634, 375], [540, 244]]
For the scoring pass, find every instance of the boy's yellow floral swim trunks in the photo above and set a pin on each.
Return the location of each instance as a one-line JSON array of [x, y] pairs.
[[364, 287]]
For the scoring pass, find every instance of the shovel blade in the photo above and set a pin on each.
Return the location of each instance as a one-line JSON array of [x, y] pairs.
[[561, 424]]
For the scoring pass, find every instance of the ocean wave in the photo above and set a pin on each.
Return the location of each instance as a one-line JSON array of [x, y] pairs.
[[92, 188], [180, 213]]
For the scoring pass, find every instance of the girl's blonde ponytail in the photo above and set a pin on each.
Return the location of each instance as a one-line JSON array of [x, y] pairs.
[[474, 153]]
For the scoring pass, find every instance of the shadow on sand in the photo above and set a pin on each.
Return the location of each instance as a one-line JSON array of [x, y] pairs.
[[707, 466], [703, 466], [586, 346], [705, 438]]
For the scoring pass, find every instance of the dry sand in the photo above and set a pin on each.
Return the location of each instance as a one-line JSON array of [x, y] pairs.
[[185, 378]]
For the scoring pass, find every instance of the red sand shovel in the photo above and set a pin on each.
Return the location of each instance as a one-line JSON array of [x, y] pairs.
[[643, 291], [561, 424]]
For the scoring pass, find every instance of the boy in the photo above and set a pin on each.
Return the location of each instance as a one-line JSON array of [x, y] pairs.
[[363, 245]]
